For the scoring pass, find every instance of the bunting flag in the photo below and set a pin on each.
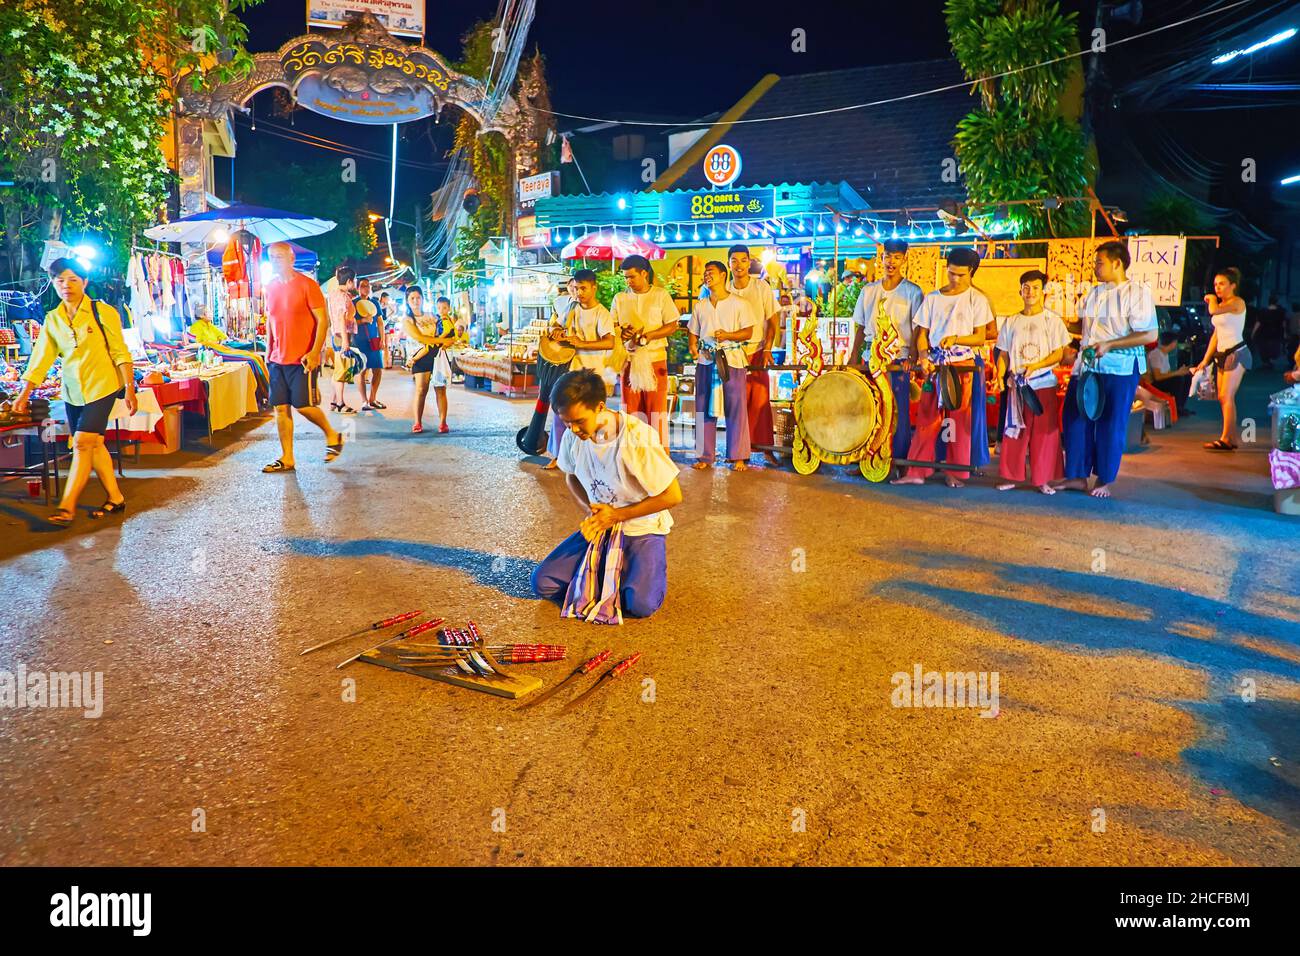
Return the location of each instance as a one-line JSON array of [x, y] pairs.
[[566, 151]]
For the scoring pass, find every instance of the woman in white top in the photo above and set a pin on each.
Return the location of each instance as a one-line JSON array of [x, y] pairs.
[[1227, 351]]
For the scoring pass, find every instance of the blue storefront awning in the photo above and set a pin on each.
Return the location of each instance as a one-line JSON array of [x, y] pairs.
[[741, 206]]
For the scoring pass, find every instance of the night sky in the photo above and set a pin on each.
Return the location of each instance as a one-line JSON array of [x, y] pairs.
[[675, 60], [672, 61]]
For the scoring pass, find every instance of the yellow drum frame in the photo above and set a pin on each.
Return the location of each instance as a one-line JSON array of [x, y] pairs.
[[874, 455]]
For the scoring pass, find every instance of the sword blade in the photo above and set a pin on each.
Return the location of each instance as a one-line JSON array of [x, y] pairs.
[[547, 694]]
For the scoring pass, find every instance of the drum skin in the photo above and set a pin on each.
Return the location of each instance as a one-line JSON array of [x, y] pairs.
[[837, 412], [555, 352], [844, 417]]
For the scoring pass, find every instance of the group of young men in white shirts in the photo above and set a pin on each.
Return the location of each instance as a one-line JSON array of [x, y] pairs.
[[942, 333], [617, 465]]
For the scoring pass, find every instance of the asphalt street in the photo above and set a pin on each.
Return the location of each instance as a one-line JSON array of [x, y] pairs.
[[1146, 651]]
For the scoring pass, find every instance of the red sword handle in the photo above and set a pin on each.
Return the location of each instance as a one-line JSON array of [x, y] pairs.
[[595, 662], [398, 619], [419, 629], [625, 664]]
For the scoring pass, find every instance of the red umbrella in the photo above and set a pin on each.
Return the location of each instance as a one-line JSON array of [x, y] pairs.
[[611, 245]]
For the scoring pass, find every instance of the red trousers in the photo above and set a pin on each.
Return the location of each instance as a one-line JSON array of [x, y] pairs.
[[1041, 438], [759, 402], [650, 407], [933, 424]]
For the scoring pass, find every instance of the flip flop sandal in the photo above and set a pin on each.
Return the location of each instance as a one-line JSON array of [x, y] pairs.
[[1219, 445], [275, 466], [61, 517], [417, 428], [443, 429], [108, 508], [333, 451]]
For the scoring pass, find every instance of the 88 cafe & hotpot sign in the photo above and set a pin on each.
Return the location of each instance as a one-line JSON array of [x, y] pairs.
[[722, 166]]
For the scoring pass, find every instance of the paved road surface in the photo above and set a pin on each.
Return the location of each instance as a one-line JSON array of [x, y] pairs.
[[1121, 633]]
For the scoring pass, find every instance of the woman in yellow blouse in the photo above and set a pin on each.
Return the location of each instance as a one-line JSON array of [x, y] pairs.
[[97, 371]]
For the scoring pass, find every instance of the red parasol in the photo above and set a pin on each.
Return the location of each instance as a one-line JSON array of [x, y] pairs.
[[611, 245]]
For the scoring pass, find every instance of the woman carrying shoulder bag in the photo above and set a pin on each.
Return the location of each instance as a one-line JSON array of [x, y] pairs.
[[1227, 351], [87, 336]]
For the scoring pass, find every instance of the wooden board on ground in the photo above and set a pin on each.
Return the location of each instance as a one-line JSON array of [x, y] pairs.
[[508, 685]]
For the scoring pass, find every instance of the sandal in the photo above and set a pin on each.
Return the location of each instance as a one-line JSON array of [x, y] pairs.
[[1219, 445], [61, 517], [275, 466], [443, 429], [108, 508], [417, 428], [378, 405], [333, 451]]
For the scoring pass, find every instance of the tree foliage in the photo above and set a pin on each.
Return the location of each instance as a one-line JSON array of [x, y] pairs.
[[489, 158], [87, 92], [316, 186], [1019, 145]]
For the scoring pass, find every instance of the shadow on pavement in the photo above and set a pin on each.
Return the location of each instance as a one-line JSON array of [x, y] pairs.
[[1237, 756], [1237, 738], [1168, 613], [510, 576]]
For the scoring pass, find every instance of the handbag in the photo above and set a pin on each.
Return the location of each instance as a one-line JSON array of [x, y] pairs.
[[94, 310]]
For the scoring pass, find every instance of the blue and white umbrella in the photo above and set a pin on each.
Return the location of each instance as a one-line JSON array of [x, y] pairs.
[[268, 225]]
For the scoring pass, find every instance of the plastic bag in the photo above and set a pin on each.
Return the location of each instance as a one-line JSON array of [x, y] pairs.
[[1203, 385]]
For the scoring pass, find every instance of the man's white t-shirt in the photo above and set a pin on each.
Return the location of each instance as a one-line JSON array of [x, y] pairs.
[[645, 312], [761, 302], [960, 315], [590, 324], [1113, 310], [729, 315], [625, 470], [1158, 361], [901, 302], [1031, 338]]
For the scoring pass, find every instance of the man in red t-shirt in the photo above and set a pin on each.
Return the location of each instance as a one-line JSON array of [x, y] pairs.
[[296, 324]]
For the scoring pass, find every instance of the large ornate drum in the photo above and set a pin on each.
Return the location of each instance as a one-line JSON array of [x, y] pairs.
[[841, 417]]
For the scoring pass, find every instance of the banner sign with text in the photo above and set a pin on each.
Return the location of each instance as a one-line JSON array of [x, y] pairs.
[[1158, 262], [718, 205], [364, 82], [399, 17]]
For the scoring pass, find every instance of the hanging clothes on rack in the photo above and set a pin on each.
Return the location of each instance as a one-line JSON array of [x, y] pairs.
[[141, 302]]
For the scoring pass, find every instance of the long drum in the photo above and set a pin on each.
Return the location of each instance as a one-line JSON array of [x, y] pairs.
[[836, 412], [532, 439]]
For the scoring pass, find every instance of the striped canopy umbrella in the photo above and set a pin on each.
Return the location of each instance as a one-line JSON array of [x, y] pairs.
[[613, 245], [268, 225]]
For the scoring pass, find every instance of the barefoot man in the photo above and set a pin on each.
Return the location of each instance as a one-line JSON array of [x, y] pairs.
[[901, 298], [296, 324], [1030, 346], [951, 323], [1119, 319]]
